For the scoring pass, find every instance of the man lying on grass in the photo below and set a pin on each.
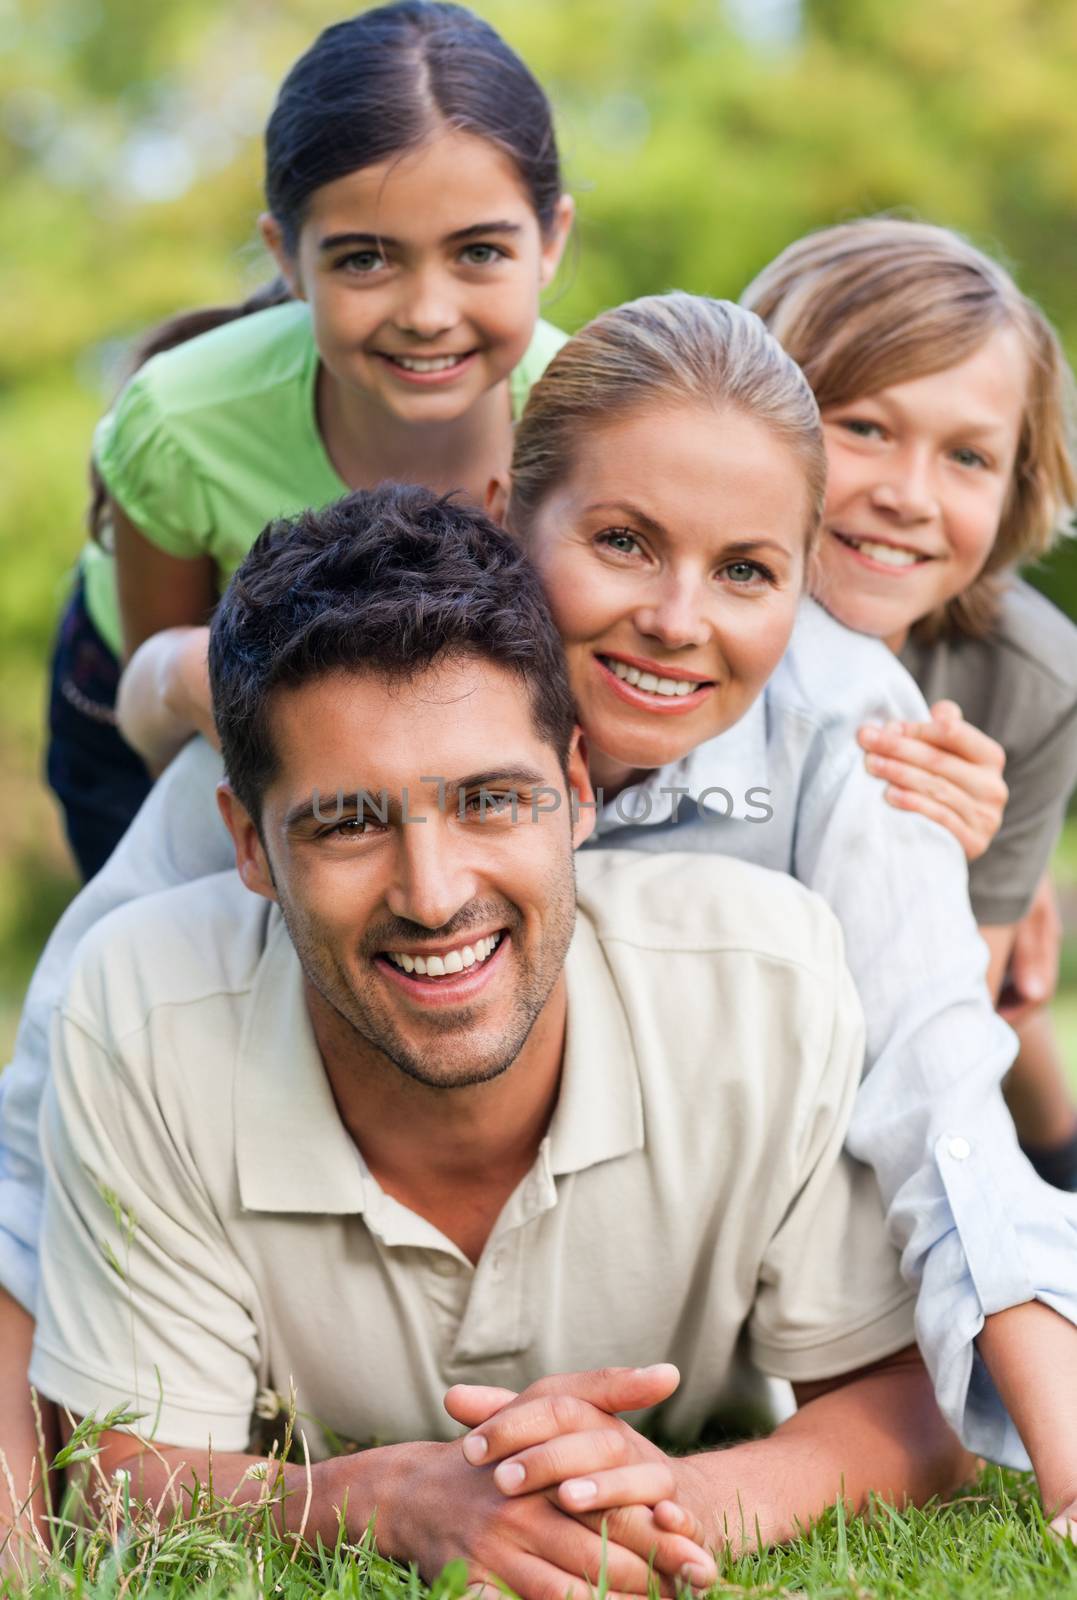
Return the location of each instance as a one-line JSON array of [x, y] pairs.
[[404, 1116]]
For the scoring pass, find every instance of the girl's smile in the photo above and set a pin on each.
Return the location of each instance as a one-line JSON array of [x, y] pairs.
[[673, 556]]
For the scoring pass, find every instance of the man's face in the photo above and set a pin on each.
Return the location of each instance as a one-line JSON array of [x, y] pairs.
[[439, 934]]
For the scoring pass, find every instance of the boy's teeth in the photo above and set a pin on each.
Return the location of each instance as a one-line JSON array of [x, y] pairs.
[[448, 965], [676, 688], [888, 554], [426, 363]]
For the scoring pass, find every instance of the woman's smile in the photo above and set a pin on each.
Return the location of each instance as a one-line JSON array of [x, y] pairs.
[[656, 687]]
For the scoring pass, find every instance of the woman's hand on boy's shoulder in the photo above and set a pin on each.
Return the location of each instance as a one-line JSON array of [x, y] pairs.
[[945, 769]]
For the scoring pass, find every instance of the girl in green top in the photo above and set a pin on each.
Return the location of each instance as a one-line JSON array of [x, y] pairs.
[[415, 212]]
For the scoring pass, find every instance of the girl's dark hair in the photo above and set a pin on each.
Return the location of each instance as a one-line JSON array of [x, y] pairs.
[[166, 336], [386, 581], [382, 82]]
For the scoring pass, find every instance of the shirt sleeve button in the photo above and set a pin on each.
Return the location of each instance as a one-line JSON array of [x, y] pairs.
[[959, 1149]]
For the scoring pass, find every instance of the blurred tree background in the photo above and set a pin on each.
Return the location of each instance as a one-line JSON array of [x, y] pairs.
[[700, 137]]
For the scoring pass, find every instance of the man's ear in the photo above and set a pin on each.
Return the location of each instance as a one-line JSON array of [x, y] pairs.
[[497, 499], [555, 239], [582, 794], [252, 863], [273, 239]]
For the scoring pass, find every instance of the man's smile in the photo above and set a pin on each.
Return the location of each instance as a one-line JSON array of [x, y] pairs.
[[446, 975]]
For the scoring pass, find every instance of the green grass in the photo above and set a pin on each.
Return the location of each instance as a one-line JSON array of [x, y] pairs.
[[988, 1542]]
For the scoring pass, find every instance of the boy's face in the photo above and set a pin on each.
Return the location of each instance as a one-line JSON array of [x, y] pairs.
[[448, 877], [919, 475]]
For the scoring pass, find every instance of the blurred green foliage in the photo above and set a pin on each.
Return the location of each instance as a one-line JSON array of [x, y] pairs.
[[699, 138]]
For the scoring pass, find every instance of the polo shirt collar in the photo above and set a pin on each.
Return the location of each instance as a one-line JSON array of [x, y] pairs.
[[293, 1152], [599, 1111], [733, 762]]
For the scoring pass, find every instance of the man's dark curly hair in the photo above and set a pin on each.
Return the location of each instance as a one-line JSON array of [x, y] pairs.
[[385, 581]]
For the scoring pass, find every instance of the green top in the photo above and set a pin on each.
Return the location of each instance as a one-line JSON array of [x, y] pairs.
[[210, 441]]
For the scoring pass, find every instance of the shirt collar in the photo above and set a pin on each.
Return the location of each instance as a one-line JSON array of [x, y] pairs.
[[717, 775], [599, 1111], [294, 1154]]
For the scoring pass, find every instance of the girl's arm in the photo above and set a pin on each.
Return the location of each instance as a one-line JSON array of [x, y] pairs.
[[164, 695], [156, 590]]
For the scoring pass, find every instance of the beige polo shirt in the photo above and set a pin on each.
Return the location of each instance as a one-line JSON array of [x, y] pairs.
[[211, 1230]]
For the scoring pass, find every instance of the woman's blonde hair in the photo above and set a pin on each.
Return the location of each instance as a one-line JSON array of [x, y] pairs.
[[876, 302], [673, 349]]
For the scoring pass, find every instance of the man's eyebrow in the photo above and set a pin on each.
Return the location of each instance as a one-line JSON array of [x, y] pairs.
[[376, 241], [525, 777]]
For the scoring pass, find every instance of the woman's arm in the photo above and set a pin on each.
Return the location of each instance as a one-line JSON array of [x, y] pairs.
[[164, 695], [157, 590]]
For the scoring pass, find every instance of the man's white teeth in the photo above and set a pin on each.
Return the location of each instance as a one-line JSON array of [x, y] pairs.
[[445, 966], [648, 682], [888, 554], [426, 363]]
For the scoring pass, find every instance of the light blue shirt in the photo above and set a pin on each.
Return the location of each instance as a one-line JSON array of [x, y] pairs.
[[976, 1228]]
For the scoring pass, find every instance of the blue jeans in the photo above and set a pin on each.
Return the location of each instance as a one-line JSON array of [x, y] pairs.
[[99, 780]]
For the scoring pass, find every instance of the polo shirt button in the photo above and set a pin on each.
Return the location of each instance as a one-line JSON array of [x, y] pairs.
[[959, 1149], [446, 1266]]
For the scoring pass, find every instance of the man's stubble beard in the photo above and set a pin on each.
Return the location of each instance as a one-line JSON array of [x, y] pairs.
[[368, 1028]]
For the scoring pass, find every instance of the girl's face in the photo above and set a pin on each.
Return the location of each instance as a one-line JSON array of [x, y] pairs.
[[673, 558], [918, 476], [423, 275]]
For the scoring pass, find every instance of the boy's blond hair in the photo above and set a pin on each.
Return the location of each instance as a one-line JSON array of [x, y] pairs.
[[876, 302]]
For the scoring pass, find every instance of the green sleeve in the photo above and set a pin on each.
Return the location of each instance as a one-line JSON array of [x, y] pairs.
[[545, 343], [149, 475]]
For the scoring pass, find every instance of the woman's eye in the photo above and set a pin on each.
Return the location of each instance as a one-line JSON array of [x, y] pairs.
[[743, 573], [966, 457], [480, 255], [362, 262], [619, 540], [862, 428]]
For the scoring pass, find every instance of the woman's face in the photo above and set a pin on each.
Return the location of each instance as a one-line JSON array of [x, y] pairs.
[[918, 476], [673, 558]]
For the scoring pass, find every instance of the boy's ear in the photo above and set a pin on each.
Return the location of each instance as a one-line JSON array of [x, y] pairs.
[[581, 793], [497, 500], [273, 239], [555, 239], [252, 863]]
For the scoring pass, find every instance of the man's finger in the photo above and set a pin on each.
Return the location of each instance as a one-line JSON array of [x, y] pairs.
[[608, 1389], [673, 1556], [612, 1389], [1065, 1524], [569, 1455], [642, 1483], [472, 1403], [533, 1422]]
